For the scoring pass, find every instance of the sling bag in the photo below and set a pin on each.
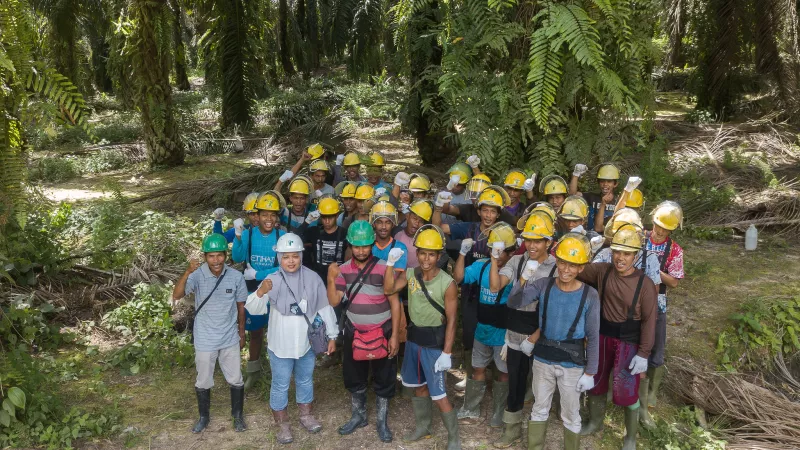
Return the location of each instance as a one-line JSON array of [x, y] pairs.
[[196, 311], [317, 337], [430, 337]]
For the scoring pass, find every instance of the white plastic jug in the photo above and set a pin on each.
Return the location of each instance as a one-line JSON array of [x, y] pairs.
[[751, 238]]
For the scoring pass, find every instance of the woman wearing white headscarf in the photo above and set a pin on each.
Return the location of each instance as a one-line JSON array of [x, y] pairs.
[[293, 292]]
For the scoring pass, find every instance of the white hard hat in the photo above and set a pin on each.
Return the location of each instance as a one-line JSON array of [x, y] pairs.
[[289, 243]]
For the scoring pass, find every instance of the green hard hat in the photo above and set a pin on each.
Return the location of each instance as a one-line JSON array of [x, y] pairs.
[[360, 234], [215, 243]]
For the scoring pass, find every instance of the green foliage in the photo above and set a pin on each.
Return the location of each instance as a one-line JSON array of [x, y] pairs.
[[683, 434], [655, 169]]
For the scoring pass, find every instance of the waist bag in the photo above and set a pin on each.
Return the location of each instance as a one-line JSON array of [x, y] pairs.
[[369, 345]]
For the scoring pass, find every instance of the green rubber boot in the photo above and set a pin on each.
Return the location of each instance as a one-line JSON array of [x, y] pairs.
[[423, 409], [472, 400], [572, 441], [252, 374], [512, 430], [597, 412], [631, 428], [656, 376], [499, 401], [644, 413], [537, 432], [451, 425]]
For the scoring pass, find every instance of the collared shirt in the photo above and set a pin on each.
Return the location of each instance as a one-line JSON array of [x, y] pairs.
[[216, 325], [383, 253], [370, 308]]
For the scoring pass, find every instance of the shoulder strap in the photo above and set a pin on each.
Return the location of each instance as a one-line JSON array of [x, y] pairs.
[[219, 280], [394, 241], [362, 275], [579, 313], [250, 245], [644, 259], [664, 258], [605, 281], [545, 301], [483, 270], [553, 271], [519, 267], [418, 276], [632, 309]]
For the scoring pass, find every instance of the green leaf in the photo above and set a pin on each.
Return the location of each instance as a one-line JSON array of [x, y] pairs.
[[17, 397], [134, 369], [9, 407], [5, 419]]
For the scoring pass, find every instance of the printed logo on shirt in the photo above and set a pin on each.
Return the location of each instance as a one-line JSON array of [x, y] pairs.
[[261, 260], [229, 291], [412, 286]]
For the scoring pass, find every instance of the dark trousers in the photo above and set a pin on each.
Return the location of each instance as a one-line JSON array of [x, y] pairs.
[[469, 315], [356, 373], [660, 342], [519, 366]]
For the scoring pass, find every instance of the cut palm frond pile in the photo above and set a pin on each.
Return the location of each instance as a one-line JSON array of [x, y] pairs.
[[756, 415]]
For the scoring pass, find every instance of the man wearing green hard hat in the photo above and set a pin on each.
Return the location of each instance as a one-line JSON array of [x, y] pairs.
[[219, 297]]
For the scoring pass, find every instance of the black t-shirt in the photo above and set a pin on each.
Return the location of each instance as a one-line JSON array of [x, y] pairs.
[[326, 248], [595, 200], [469, 213]]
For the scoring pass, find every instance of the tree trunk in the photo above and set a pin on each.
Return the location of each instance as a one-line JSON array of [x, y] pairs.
[[312, 30], [283, 40], [181, 77], [154, 96], [235, 104]]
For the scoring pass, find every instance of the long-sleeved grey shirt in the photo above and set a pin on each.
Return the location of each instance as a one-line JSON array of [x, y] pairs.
[[512, 270]]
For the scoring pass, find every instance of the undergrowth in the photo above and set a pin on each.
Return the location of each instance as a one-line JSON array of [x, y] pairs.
[[683, 433]]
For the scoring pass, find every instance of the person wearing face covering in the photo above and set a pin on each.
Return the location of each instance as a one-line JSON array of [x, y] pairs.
[[294, 291]]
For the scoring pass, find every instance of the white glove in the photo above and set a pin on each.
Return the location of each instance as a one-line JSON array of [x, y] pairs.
[[497, 249], [526, 347], [339, 160], [633, 183], [637, 365], [318, 193], [312, 217], [255, 305], [520, 241], [405, 208], [394, 255], [442, 363], [442, 198], [585, 383], [380, 192], [402, 179], [529, 270], [597, 243], [249, 273], [219, 213], [287, 175], [529, 184], [466, 245], [504, 352], [578, 229], [474, 161], [580, 169], [453, 182], [238, 227]]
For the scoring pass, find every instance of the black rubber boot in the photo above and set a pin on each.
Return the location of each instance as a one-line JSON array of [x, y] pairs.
[[382, 423], [203, 407], [358, 403], [237, 407]]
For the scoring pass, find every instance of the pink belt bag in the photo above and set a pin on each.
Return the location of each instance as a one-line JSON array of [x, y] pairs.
[[369, 345]]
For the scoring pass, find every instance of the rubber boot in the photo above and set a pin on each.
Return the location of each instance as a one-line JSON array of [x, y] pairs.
[[358, 404], [656, 376], [307, 419], [512, 429], [461, 386], [597, 412], [451, 425], [499, 401], [423, 410], [537, 432], [644, 413], [572, 441], [382, 422], [203, 407], [252, 374], [237, 407], [284, 428], [631, 428], [472, 400]]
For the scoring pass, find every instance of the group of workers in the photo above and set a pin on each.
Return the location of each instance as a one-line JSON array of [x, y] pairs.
[[556, 292]]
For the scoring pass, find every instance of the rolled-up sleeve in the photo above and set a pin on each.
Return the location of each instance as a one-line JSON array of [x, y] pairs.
[[331, 324]]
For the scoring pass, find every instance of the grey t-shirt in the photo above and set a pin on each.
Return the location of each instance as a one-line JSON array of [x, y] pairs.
[[216, 325], [512, 271]]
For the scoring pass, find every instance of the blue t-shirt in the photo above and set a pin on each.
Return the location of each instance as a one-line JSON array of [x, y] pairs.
[[561, 311], [383, 254], [262, 256], [383, 184], [484, 333]]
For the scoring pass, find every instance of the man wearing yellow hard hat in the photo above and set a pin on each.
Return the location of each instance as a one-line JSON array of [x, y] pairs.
[[553, 189], [602, 204], [419, 214], [375, 166], [346, 193], [347, 168], [646, 261], [248, 207], [383, 218], [567, 343], [516, 183]]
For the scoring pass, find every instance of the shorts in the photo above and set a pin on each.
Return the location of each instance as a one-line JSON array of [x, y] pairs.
[[418, 370], [255, 323], [483, 354], [615, 357]]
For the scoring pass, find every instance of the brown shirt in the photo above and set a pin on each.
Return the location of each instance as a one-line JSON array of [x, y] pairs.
[[617, 299]]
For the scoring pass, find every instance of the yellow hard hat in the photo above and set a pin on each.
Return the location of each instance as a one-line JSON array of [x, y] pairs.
[[544, 207], [668, 215], [364, 191], [553, 184], [351, 158], [300, 185], [429, 237], [419, 183], [538, 226], [628, 238], [249, 204], [625, 216], [636, 199], [319, 164], [608, 171], [574, 208], [514, 179], [476, 185], [383, 209], [422, 208], [346, 189], [270, 201], [574, 248], [462, 170], [494, 196], [499, 232], [329, 206], [316, 151], [376, 158]]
